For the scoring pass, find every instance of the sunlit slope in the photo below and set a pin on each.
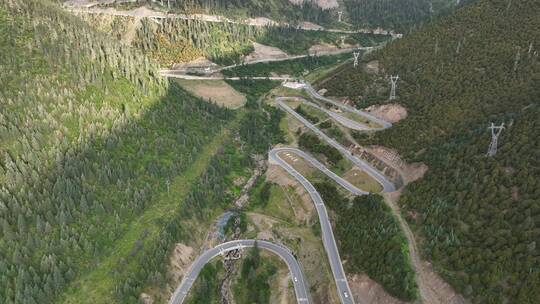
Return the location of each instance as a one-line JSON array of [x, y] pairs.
[[90, 139]]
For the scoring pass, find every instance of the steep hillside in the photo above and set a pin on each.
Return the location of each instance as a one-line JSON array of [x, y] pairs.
[[278, 10], [92, 143], [400, 15], [479, 216], [175, 40]]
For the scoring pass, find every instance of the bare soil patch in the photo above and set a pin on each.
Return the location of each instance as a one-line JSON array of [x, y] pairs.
[[389, 112], [196, 63], [323, 48], [365, 290], [261, 21], [310, 26], [324, 4], [216, 91], [436, 289], [372, 67], [262, 51], [409, 172]]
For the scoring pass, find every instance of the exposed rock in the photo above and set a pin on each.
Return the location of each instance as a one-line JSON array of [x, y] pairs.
[[366, 290], [261, 51], [146, 298], [180, 259], [197, 63], [389, 112], [372, 67], [324, 4]]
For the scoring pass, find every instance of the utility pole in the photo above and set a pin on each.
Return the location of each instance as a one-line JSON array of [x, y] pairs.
[[393, 82], [495, 132], [339, 14], [356, 56]]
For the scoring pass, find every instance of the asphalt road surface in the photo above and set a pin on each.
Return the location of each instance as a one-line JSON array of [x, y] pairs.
[[329, 242], [349, 123], [344, 107], [300, 287], [328, 239], [273, 154], [388, 186]]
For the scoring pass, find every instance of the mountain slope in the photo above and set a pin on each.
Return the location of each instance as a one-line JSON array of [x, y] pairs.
[[400, 15], [278, 10], [479, 216], [90, 141]]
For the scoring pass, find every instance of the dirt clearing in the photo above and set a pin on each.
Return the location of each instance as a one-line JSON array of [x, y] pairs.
[[324, 4], [217, 91], [366, 290], [262, 51], [389, 112]]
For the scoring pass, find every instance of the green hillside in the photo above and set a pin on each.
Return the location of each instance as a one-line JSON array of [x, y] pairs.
[[400, 15], [478, 216], [176, 40], [97, 153], [279, 10]]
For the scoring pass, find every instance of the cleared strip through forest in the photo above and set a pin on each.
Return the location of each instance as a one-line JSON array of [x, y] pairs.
[[97, 286]]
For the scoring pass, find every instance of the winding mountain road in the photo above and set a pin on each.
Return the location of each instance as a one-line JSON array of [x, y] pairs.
[[273, 155], [91, 7], [385, 124], [213, 69], [328, 239], [388, 186], [299, 283]]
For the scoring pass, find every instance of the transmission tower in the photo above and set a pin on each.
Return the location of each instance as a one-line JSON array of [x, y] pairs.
[[356, 56], [393, 82], [339, 14], [495, 132]]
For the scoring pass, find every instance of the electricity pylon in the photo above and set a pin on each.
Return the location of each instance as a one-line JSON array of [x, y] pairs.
[[339, 14], [356, 56], [495, 132], [393, 81]]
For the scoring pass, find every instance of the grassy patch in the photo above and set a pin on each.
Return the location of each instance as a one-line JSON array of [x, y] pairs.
[[217, 91], [362, 180]]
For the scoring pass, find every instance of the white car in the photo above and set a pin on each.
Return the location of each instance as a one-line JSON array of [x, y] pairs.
[[345, 294], [295, 279]]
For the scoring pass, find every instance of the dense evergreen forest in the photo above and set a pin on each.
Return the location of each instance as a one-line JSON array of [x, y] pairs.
[[91, 141], [371, 241], [253, 282], [479, 216], [400, 15], [176, 40]]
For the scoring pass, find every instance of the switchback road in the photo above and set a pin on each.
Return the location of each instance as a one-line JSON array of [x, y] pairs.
[[299, 283], [388, 186], [328, 239]]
